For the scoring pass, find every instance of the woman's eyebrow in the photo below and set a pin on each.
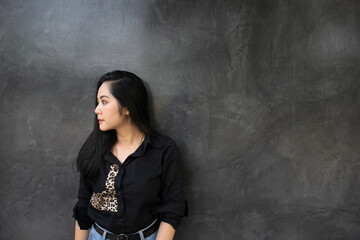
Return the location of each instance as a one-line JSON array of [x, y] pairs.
[[103, 96]]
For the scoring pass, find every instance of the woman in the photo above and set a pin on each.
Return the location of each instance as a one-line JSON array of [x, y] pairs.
[[131, 183]]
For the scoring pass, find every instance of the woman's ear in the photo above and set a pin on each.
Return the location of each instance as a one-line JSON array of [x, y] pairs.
[[126, 111]]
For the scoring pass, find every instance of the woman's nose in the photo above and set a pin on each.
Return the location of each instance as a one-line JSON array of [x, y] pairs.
[[97, 110]]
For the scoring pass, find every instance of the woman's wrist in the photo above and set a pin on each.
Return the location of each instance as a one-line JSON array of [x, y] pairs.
[[165, 232]]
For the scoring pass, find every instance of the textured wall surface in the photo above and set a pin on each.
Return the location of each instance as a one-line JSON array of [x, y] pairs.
[[263, 98]]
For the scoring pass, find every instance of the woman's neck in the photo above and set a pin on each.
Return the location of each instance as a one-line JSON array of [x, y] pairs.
[[128, 136]]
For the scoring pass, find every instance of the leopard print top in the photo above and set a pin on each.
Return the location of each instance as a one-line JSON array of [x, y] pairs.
[[106, 200]]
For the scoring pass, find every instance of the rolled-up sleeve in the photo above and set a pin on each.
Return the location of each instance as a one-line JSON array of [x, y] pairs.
[[172, 207], [80, 209]]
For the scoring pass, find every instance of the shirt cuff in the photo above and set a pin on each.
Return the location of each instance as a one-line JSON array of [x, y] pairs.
[[80, 215], [174, 221]]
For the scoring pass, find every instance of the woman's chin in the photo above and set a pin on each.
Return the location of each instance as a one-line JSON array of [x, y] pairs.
[[103, 128]]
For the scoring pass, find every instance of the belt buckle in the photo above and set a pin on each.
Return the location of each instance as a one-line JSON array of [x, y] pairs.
[[122, 237]]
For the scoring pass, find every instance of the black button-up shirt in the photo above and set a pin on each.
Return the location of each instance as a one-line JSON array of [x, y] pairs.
[[130, 196]]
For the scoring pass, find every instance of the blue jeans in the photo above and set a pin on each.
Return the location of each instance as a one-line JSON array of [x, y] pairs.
[[94, 235]]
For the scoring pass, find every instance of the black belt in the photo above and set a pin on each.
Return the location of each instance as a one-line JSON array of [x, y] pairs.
[[136, 236]]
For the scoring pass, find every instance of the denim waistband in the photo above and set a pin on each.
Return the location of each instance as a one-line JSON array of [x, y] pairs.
[[139, 232]]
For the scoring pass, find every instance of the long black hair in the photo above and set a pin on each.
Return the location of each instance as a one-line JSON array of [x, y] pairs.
[[130, 92]]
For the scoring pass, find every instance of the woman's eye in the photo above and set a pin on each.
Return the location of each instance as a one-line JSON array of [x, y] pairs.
[[103, 102]]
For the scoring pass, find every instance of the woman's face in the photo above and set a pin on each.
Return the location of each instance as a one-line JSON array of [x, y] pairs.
[[107, 110]]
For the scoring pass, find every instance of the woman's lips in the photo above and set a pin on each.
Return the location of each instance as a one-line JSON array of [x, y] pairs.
[[100, 121]]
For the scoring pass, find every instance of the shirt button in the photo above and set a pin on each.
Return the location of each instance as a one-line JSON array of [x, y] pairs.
[[122, 237]]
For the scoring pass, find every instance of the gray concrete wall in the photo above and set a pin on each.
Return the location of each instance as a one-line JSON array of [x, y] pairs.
[[262, 97]]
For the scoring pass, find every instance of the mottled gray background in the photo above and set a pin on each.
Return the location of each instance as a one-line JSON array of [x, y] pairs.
[[262, 97]]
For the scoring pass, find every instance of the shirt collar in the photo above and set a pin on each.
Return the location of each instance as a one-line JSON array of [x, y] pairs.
[[148, 142], [153, 141]]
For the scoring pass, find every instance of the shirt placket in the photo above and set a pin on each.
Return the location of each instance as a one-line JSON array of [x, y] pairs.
[[120, 195]]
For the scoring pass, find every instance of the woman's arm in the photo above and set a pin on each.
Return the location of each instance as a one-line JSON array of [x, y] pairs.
[[172, 203], [165, 232], [81, 234], [83, 222]]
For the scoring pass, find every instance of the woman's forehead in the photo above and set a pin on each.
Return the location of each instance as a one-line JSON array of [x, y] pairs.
[[104, 89]]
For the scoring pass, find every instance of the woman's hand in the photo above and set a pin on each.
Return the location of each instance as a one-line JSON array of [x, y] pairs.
[[81, 234], [165, 232]]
